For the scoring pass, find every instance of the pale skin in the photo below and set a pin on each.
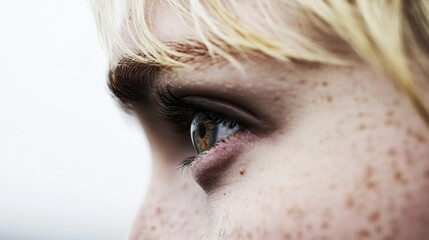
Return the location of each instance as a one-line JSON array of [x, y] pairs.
[[345, 155]]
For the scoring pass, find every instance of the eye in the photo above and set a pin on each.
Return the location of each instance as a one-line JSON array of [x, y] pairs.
[[207, 130]]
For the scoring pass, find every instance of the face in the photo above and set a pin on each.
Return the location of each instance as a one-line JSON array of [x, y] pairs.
[[288, 151]]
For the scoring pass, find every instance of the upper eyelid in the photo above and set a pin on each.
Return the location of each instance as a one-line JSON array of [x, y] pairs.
[[229, 110], [174, 110], [206, 104]]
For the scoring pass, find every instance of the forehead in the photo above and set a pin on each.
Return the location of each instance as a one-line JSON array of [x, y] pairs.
[[167, 24], [173, 33], [176, 21]]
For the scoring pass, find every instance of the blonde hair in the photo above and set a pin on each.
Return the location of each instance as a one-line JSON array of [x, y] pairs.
[[392, 35]]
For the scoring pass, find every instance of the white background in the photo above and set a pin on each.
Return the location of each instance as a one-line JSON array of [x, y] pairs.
[[72, 166]]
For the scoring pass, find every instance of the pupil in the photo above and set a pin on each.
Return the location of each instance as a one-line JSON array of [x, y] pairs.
[[201, 130]]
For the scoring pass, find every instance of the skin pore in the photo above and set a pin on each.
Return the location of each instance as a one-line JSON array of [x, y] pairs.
[[338, 153]]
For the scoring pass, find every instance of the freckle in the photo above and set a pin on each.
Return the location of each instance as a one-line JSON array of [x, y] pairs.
[[418, 136], [395, 225], [185, 186], [388, 237], [426, 174], [242, 171], [408, 196], [360, 114], [409, 158], [373, 217], [153, 228], [333, 186], [296, 213], [378, 229], [324, 225], [361, 127], [389, 113], [391, 152], [389, 122], [400, 178], [299, 234], [395, 101], [287, 236], [371, 184], [424, 220], [329, 98], [324, 237], [324, 83], [363, 233], [302, 82], [350, 202], [369, 172], [158, 211], [309, 227]]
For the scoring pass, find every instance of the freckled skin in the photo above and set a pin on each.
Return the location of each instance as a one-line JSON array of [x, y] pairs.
[[348, 160]]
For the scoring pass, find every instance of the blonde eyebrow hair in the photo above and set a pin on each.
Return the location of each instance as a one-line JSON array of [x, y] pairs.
[[391, 35]]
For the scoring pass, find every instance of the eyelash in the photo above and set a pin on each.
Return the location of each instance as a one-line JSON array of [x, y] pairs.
[[180, 113]]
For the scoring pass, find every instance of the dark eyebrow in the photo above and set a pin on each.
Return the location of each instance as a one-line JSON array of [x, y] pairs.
[[131, 82]]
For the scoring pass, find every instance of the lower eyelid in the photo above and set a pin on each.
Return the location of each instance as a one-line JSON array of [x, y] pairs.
[[187, 162], [209, 166]]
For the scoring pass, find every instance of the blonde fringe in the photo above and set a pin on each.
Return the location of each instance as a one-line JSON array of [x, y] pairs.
[[379, 31], [375, 30]]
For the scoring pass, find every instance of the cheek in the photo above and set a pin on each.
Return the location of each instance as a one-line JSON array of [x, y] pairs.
[[352, 194], [174, 206], [357, 173]]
